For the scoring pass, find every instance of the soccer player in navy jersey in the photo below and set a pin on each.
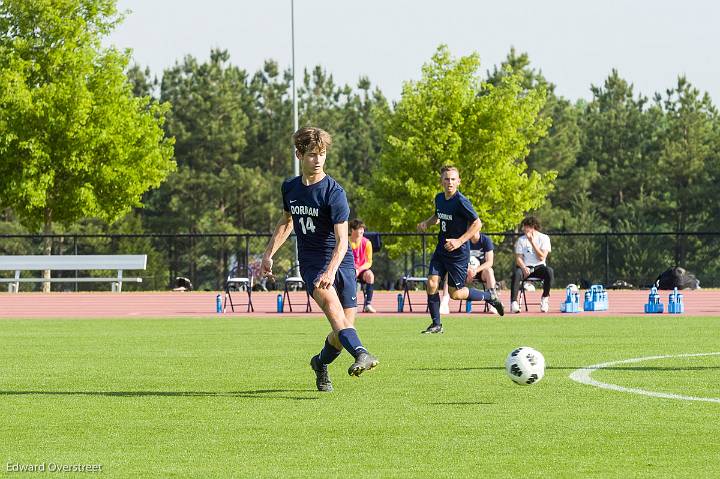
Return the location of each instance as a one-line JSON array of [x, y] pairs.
[[482, 257], [316, 206], [458, 223]]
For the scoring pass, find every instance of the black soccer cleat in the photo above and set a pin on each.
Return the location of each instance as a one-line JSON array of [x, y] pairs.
[[495, 302], [363, 362], [322, 380], [434, 329]]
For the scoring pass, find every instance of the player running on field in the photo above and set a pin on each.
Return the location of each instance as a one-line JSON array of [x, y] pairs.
[[316, 206], [482, 257], [458, 223]]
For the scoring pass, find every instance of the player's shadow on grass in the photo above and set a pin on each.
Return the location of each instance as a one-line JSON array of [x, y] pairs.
[[573, 368], [488, 368], [253, 394]]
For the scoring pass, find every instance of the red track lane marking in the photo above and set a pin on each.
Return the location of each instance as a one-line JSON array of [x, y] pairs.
[[174, 304]]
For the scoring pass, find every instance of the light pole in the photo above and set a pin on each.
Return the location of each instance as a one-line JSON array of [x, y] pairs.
[[294, 83], [296, 162]]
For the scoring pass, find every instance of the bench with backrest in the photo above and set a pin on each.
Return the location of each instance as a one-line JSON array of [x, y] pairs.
[[117, 262]]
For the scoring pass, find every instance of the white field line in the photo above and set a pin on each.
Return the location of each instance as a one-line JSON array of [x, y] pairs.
[[583, 376]]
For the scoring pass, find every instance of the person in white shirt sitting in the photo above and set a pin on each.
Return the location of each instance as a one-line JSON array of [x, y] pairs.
[[531, 251]]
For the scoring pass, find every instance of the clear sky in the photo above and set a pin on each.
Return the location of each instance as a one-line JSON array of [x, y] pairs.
[[574, 42]]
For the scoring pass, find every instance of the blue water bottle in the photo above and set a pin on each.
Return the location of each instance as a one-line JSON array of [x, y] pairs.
[[218, 304], [468, 306], [279, 303], [401, 303]]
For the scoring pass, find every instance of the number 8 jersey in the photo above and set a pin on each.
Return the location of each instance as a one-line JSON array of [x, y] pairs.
[[315, 210], [454, 216]]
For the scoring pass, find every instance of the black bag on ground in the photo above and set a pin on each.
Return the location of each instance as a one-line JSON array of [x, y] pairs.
[[183, 284], [677, 277]]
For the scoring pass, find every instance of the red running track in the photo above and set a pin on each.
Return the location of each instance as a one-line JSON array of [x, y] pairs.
[[181, 304]]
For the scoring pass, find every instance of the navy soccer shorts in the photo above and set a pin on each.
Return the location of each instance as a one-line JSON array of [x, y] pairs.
[[456, 269], [345, 284]]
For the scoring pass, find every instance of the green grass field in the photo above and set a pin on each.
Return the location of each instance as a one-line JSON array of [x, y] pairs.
[[235, 397]]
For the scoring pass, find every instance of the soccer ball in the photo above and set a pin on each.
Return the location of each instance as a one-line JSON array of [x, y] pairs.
[[525, 365], [573, 288]]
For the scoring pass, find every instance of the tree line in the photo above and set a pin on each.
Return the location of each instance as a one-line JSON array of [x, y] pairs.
[[92, 144]]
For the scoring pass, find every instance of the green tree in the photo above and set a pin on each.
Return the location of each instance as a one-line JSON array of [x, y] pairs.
[[688, 161], [450, 117], [358, 136], [618, 158], [619, 149], [557, 151], [140, 80], [270, 123], [75, 141], [353, 117], [208, 123]]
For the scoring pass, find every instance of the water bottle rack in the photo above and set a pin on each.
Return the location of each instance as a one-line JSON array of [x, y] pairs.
[[654, 305], [675, 303], [572, 301], [596, 299]]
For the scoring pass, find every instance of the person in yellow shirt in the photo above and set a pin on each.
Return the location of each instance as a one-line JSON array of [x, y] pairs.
[[362, 251]]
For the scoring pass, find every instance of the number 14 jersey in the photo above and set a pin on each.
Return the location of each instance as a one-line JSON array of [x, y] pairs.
[[315, 210]]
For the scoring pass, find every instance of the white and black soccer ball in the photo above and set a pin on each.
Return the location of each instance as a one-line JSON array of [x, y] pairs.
[[525, 365]]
